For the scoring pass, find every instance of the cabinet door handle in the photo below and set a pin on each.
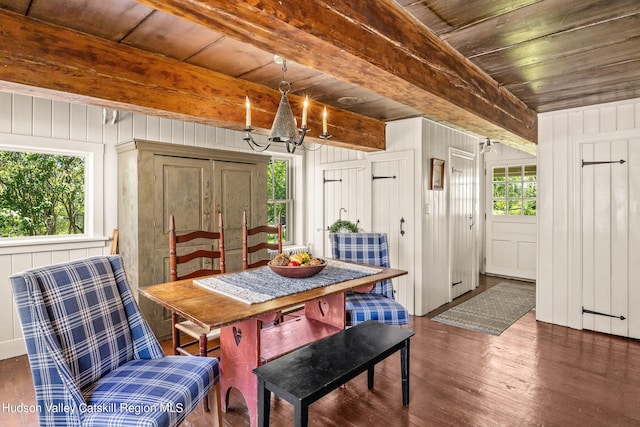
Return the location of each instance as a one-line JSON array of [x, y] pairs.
[[401, 225]]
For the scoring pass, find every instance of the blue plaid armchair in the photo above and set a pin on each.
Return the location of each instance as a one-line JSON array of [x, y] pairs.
[[94, 359], [378, 304]]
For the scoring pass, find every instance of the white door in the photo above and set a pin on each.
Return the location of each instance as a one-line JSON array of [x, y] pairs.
[[392, 212], [511, 222], [609, 234], [462, 218]]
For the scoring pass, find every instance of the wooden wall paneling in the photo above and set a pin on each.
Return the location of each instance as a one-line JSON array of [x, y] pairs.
[[60, 120], [177, 132], [200, 135], [544, 274], [41, 259], [560, 223], [625, 116], [587, 238], [189, 133], [591, 122], [212, 135], [19, 262], [165, 130], [602, 237], [78, 122], [620, 194], [94, 125], [110, 133], [634, 230], [59, 256], [608, 118], [314, 211], [7, 309], [22, 115], [554, 295], [6, 109], [575, 127], [153, 128], [42, 117]]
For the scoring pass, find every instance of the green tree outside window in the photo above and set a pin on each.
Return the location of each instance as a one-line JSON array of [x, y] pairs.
[[41, 194], [279, 201], [514, 190]]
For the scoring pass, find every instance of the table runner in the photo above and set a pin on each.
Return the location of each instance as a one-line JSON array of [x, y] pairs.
[[262, 284]]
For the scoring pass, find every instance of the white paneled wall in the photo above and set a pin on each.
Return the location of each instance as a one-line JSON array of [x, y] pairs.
[[425, 139], [559, 290], [26, 115]]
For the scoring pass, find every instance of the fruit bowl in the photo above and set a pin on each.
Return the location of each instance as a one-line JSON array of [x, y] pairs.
[[298, 271]]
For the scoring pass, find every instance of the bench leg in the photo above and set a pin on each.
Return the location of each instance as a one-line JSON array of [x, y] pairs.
[[404, 368], [370, 372], [264, 404], [301, 414]]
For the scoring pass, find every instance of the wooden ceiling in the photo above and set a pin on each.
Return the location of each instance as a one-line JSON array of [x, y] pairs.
[[486, 66]]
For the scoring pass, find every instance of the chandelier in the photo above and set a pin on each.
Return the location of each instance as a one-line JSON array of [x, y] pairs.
[[285, 128]]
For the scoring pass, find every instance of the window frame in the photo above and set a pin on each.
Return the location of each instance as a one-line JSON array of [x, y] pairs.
[[522, 181], [289, 200], [93, 154]]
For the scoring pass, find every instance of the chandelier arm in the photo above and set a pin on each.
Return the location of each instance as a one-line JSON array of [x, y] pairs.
[[324, 138], [252, 142]]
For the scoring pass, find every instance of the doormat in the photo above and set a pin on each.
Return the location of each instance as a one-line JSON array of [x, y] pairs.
[[494, 310]]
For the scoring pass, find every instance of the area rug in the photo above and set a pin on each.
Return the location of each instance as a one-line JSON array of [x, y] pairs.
[[494, 310]]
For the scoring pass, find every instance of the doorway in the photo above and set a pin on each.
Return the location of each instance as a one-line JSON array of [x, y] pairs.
[[392, 212], [462, 222]]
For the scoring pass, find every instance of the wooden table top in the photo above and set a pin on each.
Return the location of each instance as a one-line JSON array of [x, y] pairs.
[[212, 310]]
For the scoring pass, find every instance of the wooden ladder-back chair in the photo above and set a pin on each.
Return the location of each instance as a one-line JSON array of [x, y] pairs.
[[247, 249], [200, 335]]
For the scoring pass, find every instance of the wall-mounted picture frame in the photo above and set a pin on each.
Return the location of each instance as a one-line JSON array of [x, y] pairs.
[[437, 174]]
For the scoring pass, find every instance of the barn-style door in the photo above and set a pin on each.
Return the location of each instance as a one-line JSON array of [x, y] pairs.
[[609, 230]]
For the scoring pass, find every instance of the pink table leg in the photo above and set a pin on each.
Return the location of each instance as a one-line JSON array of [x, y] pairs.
[[240, 352], [240, 349]]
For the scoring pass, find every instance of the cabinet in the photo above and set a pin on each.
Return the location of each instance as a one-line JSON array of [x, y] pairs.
[[156, 180]]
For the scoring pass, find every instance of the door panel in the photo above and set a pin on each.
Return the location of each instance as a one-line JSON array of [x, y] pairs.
[[510, 240], [392, 212], [236, 184], [605, 235], [182, 187], [462, 222]]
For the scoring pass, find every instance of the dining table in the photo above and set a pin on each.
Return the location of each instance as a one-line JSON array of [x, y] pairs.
[[245, 341]]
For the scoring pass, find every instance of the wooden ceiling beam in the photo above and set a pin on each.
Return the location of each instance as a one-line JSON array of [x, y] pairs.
[[46, 60], [375, 45]]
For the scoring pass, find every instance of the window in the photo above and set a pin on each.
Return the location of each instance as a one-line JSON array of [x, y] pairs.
[[514, 190], [51, 191], [41, 194], [279, 197]]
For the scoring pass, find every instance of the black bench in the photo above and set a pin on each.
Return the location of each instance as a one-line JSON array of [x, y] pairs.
[[308, 373]]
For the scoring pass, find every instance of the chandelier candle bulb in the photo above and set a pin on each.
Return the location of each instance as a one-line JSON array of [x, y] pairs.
[[324, 121], [304, 111], [248, 120]]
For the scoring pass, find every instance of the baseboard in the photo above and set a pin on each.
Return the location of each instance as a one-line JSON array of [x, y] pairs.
[[13, 348]]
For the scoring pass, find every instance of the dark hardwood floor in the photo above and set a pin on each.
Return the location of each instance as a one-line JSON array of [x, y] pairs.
[[534, 374]]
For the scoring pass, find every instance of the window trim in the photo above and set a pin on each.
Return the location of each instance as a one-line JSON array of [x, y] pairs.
[[522, 181], [94, 185], [290, 201]]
